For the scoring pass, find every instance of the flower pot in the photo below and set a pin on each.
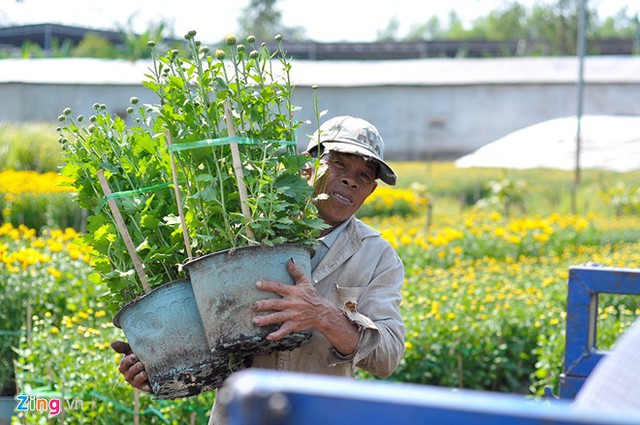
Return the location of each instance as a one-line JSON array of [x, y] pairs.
[[7, 406], [224, 284], [164, 329]]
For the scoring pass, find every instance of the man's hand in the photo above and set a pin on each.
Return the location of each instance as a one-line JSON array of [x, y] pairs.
[[302, 308], [294, 310], [130, 367]]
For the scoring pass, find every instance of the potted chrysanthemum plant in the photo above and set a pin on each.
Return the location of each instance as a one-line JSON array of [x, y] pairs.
[[122, 176], [231, 127]]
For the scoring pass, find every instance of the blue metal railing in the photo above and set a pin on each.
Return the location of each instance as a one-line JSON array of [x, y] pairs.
[[260, 397], [585, 284]]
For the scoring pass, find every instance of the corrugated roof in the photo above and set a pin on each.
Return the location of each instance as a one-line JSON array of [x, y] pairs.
[[39, 33], [412, 72]]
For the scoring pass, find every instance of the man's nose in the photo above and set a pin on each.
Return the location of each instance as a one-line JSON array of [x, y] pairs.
[[348, 180]]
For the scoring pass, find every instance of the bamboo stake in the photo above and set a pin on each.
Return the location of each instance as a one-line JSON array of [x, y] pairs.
[[137, 264], [237, 167], [176, 189], [62, 408], [29, 321], [136, 407]]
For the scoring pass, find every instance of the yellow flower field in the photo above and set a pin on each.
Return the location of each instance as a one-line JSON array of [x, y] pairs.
[[484, 298], [14, 183]]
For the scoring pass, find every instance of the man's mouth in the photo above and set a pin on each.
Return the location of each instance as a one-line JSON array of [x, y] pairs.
[[342, 198]]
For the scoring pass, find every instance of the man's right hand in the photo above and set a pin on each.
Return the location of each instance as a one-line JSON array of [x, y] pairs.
[[130, 367]]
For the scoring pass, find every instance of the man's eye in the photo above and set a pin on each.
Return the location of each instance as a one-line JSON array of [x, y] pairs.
[[366, 176]]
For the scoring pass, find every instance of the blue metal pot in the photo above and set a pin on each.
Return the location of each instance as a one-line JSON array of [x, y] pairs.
[[7, 406]]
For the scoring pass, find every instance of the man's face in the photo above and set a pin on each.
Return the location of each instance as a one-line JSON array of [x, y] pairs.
[[346, 180]]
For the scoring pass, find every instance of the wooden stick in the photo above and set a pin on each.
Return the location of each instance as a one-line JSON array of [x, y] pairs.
[[62, 412], [29, 321], [136, 407], [176, 189], [137, 264], [237, 167]]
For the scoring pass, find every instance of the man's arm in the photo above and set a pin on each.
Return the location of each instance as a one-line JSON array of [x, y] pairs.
[[377, 312]]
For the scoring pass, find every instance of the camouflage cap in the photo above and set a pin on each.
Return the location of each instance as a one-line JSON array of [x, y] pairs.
[[353, 135]]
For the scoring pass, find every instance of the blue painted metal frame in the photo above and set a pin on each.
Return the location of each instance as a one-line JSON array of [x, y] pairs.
[[585, 284], [260, 397]]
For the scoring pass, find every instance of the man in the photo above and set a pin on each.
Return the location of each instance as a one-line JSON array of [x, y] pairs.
[[351, 301]]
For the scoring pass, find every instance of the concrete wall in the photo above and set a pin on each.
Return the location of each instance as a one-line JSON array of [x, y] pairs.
[[25, 102], [416, 121], [445, 122]]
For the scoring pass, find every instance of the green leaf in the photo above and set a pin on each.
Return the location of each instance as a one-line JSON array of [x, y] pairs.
[[206, 178], [109, 167], [150, 222]]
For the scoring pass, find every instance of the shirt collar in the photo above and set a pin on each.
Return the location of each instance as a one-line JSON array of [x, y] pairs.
[[330, 238]]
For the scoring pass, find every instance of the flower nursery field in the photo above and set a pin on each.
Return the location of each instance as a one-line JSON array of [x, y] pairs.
[[486, 253]]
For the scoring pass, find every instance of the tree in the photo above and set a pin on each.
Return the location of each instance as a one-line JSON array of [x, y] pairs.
[[546, 28], [135, 45], [567, 26], [507, 23], [263, 20], [95, 46], [456, 27], [31, 50], [390, 32], [621, 25], [430, 30]]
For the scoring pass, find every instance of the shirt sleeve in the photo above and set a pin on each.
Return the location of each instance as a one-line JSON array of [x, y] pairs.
[[377, 315]]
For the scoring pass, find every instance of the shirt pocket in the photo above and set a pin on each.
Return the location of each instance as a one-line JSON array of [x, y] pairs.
[[349, 294]]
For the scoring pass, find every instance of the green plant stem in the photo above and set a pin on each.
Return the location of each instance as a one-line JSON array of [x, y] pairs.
[[192, 103], [289, 88], [183, 224], [204, 93], [239, 82]]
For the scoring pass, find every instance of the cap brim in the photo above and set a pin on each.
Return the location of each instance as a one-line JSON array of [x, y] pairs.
[[386, 173]]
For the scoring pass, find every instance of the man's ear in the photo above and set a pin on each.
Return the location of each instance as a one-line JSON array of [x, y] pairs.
[[373, 187]]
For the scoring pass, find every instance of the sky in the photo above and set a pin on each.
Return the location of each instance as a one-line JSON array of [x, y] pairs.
[[324, 21]]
